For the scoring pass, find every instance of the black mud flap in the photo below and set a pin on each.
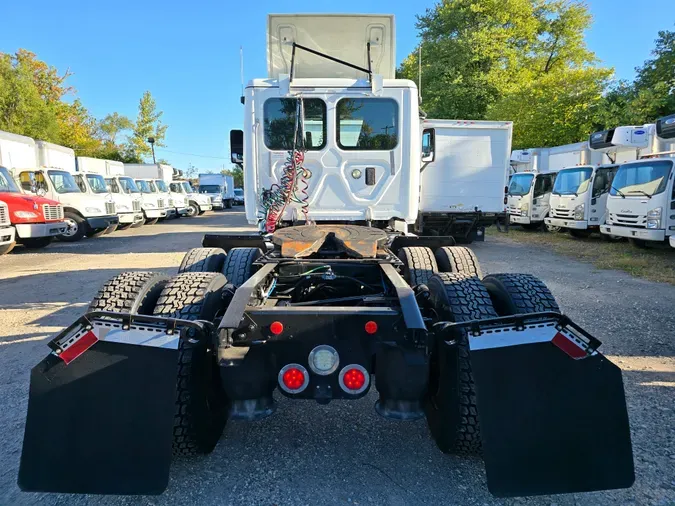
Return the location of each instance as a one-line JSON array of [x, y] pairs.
[[552, 410], [101, 411]]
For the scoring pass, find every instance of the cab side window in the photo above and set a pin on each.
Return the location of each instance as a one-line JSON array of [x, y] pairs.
[[543, 185], [603, 181], [80, 184]]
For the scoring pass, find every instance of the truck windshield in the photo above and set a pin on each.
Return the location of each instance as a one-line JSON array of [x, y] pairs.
[[520, 184], [572, 181], [209, 188], [113, 187], [161, 185], [128, 185], [7, 184], [187, 187], [642, 178], [176, 187], [143, 186], [239, 192], [63, 181], [97, 183]]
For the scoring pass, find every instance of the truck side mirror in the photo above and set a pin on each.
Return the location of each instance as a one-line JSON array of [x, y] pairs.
[[428, 145], [237, 146]]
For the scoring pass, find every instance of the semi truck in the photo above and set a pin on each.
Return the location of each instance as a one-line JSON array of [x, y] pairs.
[[162, 175], [94, 178], [219, 187], [641, 200], [327, 312], [464, 172]]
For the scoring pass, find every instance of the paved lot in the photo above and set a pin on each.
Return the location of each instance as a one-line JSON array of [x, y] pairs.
[[343, 453]]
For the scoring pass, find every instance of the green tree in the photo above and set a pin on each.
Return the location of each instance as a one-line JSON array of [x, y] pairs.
[[148, 124], [112, 125]]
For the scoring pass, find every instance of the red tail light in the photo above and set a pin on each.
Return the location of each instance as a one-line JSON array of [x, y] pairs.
[[293, 378], [276, 328], [354, 379], [371, 327]]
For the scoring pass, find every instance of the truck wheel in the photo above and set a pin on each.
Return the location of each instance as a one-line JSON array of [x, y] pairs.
[[192, 210], [203, 260], [36, 242], [201, 405], [77, 226], [419, 264], [95, 232], [450, 407], [580, 234], [6, 248], [123, 226], [458, 259], [238, 266], [130, 292], [519, 294], [553, 228]]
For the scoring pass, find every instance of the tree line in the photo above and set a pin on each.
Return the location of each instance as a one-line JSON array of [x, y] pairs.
[[35, 100], [527, 61]]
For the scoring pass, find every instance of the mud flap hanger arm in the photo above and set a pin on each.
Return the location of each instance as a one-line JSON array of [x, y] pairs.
[[170, 325], [519, 323]]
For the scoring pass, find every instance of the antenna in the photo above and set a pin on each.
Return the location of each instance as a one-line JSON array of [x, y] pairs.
[[419, 72], [241, 70]]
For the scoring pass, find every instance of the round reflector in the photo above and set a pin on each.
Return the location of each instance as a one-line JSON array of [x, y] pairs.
[[324, 360], [276, 328], [371, 327], [354, 379], [293, 378]]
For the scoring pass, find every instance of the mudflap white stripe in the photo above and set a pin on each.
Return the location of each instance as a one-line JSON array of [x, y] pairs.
[[573, 344]]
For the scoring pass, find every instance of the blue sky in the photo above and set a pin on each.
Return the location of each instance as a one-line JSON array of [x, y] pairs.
[[187, 53]]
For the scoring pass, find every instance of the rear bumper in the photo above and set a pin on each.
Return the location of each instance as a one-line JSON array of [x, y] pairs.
[[102, 221], [30, 230], [560, 222], [7, 235], [155, 213], [645, 234], [130, 217]]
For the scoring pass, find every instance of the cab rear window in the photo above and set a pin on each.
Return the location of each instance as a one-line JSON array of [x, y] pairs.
[[367, 124], [280, 123]]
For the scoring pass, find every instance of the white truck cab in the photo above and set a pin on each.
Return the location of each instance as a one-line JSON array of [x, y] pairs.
[[85, 214], [94, 178], [162, 175], [326, 140], [155, 203], [641, 201], [529, 188], [198, 203]]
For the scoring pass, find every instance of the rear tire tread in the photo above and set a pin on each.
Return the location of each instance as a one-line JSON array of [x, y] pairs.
[[130, 292], [527, 294], [420, 264], [458, 259], [203, 260], [238, 265]]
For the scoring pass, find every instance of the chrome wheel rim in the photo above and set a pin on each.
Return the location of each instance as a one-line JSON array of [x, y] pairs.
[[72, 227]]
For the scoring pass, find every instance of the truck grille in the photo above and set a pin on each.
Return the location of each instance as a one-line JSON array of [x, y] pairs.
[[513, 210], [627, 220], [110, 208], [52, 213], [4, 214], [136, 205], [160, 203], [562, 213]]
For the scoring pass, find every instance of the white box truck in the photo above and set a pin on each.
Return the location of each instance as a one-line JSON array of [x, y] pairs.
[[94, 178], [197, 203], [465, 166], [641, 202], [219, 187], [162, 175]]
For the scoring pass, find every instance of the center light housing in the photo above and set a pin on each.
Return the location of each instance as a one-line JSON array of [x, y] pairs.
[[323, 360]]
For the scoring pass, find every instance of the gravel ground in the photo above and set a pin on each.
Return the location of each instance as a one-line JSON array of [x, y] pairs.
[[342, 453]]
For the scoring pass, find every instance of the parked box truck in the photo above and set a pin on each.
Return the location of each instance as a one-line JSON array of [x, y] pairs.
[[162, 175], [36, 220], [465, 166], [219, 187]]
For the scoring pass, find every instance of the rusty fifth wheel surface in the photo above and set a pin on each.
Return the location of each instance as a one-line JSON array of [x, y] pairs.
[[356, 241]]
